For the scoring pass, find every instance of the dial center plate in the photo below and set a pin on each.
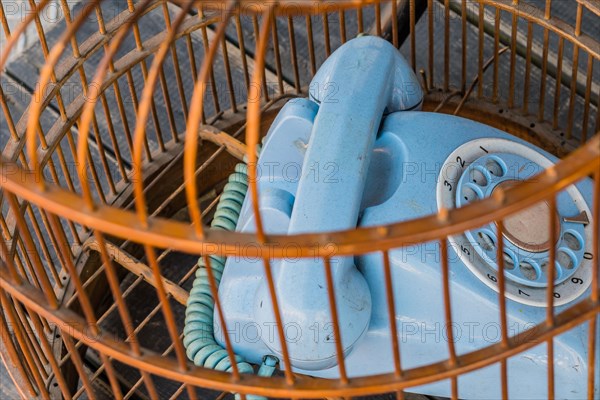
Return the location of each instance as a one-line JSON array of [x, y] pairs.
[[529, 229]]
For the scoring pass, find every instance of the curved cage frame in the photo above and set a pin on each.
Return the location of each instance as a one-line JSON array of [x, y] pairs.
[[61, 201]]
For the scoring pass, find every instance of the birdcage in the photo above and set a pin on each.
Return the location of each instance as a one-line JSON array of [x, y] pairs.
[[132, 129]]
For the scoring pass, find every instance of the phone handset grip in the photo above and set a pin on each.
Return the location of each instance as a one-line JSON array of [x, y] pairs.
[[360, 83]]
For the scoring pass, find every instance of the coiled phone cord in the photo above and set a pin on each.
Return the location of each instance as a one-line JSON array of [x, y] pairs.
[[199, 341]]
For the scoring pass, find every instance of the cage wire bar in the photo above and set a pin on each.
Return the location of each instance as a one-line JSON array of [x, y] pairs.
[[139, 111]]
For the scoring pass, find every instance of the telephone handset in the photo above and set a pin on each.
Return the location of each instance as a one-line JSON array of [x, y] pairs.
[[364, 157]]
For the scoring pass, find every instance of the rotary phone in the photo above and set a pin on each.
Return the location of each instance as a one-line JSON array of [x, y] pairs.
[[358, 152]]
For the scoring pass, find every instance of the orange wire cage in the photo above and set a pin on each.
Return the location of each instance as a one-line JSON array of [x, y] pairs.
[[136, 113]]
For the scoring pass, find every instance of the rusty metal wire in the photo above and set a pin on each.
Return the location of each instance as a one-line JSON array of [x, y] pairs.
[[97, 179]]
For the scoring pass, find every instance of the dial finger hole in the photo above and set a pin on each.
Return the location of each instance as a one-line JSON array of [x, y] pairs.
[[509, 261], [565, 259], [559, 270], [494, 167], [528, 271], [573, 240], [478, 177], [486, 241], [469, 194]]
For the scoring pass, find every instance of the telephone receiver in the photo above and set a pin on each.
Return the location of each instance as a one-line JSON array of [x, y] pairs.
[[359, 152]]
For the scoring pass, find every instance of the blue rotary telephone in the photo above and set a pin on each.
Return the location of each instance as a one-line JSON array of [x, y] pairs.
[[359, 152]]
